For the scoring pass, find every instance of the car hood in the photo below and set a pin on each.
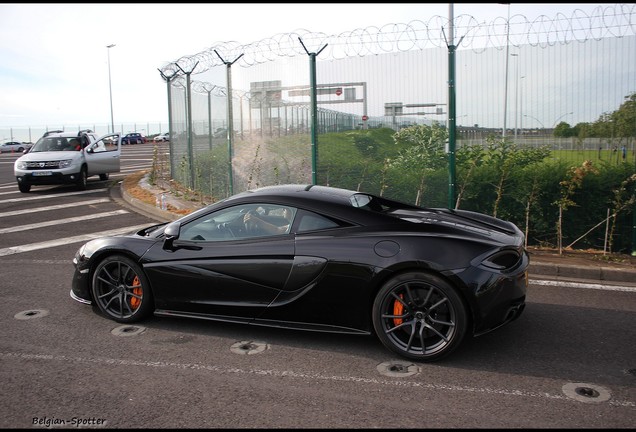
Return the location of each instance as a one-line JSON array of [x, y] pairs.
[[471, 223], [49, 155]]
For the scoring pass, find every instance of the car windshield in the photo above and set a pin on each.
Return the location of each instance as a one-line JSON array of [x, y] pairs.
[[55, 144]]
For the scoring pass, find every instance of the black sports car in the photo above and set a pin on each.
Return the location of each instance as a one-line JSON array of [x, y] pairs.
[[317, 258]]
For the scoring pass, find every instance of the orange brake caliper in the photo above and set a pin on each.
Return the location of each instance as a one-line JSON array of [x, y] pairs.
[[134, 301], [398, 309]]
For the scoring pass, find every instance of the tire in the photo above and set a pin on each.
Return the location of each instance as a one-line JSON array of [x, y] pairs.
[[24, 187], [82, 179], [419, 316], [121, 290], [104, 176]]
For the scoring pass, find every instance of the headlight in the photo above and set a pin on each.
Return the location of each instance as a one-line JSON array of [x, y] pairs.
[[66, 163], [21, 165]]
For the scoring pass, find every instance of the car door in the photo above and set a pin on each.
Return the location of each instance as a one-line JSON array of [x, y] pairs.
[[217, 268], [103, 156]]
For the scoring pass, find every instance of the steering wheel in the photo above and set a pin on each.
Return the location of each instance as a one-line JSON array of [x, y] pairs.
[[250, 226], [226, 230]]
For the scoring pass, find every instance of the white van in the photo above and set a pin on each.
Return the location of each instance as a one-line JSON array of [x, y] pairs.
[[68, 157]]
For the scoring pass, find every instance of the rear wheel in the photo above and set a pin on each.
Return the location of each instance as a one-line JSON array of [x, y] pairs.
[[419, 316], [104, 176], [121, 290]]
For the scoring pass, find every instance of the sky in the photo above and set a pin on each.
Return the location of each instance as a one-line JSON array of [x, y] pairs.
[[55, 64]]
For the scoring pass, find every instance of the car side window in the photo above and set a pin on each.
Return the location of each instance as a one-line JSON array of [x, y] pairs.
[[103, 145], [240, 222], [310, 221]]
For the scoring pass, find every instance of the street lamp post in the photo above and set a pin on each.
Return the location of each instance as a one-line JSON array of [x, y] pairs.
[[505, 107], [557, 120], [110, 89], [516, 91], [534, 118], [521, 107]]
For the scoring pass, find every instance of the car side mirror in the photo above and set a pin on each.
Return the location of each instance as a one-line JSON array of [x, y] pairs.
[[171, 233]]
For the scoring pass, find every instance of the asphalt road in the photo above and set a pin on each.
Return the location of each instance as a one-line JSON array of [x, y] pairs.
[[568, 362]]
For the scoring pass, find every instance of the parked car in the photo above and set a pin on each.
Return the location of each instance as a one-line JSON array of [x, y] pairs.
[[317, 258], [162, 137], [14, 147], [133, 138], [68, 157]]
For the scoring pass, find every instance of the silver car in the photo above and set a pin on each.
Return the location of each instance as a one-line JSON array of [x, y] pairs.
[[68, 157], [14, 147]]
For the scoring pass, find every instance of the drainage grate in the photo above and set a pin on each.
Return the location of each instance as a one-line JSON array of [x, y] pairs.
[[248, 347], [398, 369], [29, 314], [128, 330], [588, 393]]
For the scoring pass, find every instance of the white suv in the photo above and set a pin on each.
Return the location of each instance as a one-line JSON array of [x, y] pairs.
[[68, 157]]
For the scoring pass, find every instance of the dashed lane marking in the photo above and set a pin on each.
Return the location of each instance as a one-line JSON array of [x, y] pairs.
[[302, 376]]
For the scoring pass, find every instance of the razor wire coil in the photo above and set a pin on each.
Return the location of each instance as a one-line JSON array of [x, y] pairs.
[[615, 20]]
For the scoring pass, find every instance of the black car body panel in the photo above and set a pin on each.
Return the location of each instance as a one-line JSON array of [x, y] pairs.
[[322, 279]]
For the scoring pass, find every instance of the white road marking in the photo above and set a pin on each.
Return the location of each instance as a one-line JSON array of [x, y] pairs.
[[301, 376], [61, 221], [37, 197], [54, 207], [582, 285], [68, 240]]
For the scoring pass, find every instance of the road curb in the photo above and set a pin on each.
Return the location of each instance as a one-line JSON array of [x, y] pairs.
[[146, 209], [599, 273]]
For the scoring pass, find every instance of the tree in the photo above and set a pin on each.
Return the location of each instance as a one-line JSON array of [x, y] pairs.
[[563, 130], [468, 159], [568, 187], [424, 151], [507, 156]]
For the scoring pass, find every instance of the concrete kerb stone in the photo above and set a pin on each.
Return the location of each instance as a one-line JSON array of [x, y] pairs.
[[150, 210], [597, 273]]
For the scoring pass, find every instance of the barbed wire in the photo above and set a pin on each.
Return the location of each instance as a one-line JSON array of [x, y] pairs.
[[617, 20]]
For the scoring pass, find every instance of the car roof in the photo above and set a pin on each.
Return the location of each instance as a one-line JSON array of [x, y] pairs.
[[327, 200], [72, 134], [315, 192]]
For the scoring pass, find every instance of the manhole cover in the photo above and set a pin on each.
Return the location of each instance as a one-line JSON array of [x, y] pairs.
[[29, 314], [588, 393], [398, 369], [248, 347], [128, 330]]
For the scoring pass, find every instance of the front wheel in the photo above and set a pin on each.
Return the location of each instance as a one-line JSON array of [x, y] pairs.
[[419, 316], [121, 290], [82, 179], [104, 176], [24, 187]]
